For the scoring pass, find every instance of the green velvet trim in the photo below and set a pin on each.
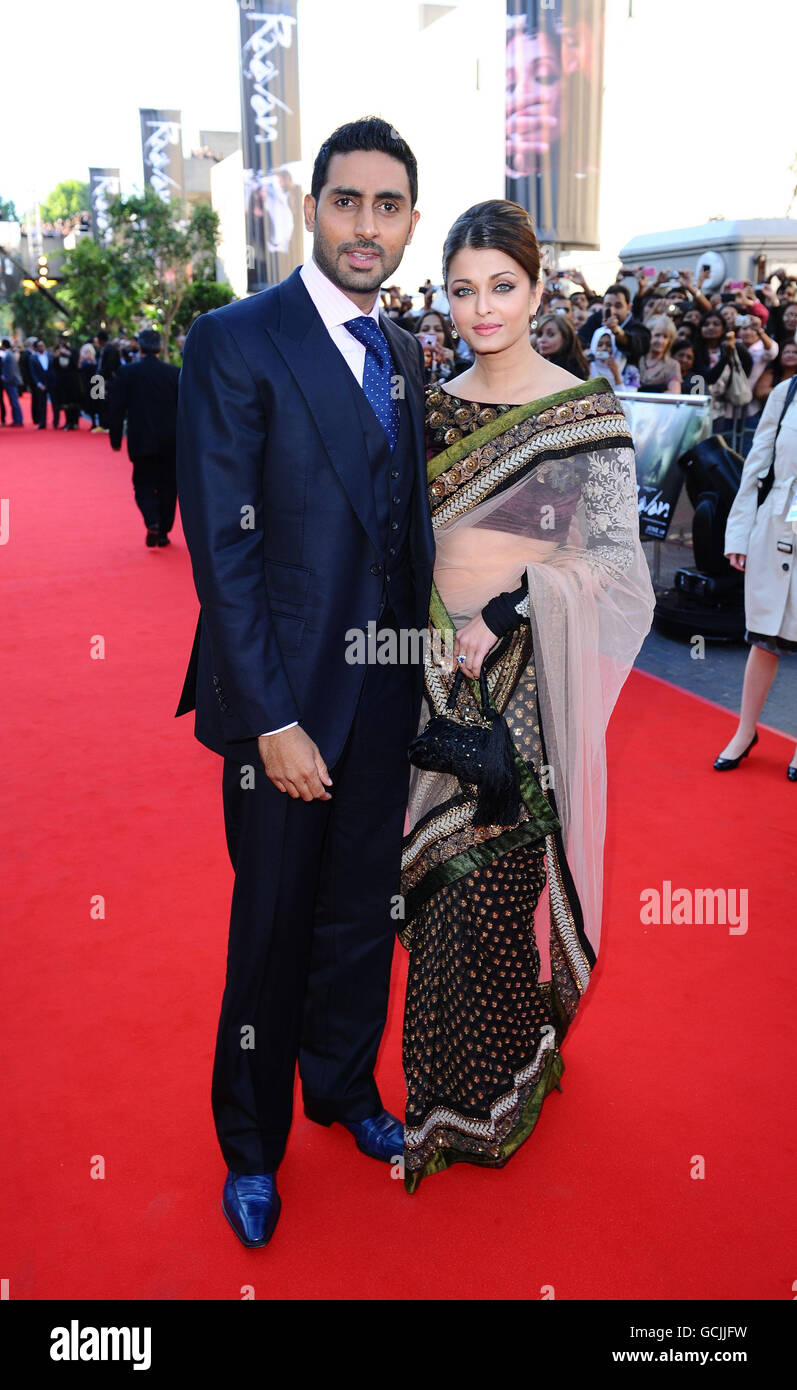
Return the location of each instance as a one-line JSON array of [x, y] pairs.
[[477, 857], [460, 449], [444, 1158]]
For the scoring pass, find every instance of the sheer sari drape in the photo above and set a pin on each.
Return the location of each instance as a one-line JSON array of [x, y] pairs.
[[549, 490]]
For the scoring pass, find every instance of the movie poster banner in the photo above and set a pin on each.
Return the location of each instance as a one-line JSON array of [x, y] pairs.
[[271, 140], [554, 101], [104, 186], [664, 427], [162, 152]]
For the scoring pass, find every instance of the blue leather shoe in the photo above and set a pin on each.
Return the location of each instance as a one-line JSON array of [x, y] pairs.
[[381, 1137], [251, 1204]]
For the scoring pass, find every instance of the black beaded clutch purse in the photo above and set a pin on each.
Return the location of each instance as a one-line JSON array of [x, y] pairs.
[[482, 754]]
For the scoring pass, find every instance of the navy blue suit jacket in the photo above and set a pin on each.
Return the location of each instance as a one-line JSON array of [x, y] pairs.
[[276, 499], [39, 375]]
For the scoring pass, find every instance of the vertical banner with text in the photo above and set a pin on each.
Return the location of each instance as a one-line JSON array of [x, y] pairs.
[[554, 103], [271, 140], [104, 186], [162, 152]]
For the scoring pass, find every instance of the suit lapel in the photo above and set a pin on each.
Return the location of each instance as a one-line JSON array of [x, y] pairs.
[[321, 375]]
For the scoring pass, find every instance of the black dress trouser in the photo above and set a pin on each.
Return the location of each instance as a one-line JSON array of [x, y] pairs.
[[311, 931], [155, 487]]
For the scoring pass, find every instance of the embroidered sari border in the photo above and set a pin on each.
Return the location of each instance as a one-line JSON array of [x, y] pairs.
[[516, 416], [443, 1158], [477, 857]]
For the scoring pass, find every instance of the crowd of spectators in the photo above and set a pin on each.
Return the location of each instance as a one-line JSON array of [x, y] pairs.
[[63, 379], [662, 332], [653, 332]]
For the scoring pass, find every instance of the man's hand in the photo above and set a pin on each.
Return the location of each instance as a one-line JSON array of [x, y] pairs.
[[294, 764], [737, 561]]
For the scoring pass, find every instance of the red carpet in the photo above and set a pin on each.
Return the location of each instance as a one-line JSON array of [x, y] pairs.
[[684, 1045]]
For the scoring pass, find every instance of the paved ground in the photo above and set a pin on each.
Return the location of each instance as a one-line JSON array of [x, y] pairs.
[[718, 674]]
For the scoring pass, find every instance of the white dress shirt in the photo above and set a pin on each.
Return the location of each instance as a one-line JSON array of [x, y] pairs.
[[335, 309]]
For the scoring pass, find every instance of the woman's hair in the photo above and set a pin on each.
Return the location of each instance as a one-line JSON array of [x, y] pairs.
[[87, 354], [444, 324], [701, 350], [496, 224], [664, 323], [776, 365], [571, 349], [686, 333]]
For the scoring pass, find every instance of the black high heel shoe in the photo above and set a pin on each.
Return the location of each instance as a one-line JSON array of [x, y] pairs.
[[726, 764], [791, 773]]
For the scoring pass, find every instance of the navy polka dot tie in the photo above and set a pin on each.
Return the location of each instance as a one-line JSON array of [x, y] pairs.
[[378, 374]]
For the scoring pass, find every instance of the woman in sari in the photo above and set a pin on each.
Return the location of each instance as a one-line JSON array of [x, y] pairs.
[[539, 575]]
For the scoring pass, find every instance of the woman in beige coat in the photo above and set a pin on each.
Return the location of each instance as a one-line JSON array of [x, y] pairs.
[[762, 543]]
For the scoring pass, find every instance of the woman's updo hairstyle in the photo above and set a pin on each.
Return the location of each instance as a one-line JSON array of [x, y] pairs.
[[497, 224]]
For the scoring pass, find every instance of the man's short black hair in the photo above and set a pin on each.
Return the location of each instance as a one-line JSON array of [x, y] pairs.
[[619, 289], [149, 340], [101, 336], [369, 133], [6, 343]]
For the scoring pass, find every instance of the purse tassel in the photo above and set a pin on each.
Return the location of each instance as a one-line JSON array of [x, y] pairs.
[[498, 801]]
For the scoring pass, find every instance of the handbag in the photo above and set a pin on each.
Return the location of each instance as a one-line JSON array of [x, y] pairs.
[[481, 753], [765, 483], [738, 390]]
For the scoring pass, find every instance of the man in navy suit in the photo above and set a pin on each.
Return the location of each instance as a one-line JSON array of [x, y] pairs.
[[302, 487], [43, 376]]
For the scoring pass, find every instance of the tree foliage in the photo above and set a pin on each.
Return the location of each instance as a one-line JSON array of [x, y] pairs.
[[100, 289], [68, 199], [157, 268]]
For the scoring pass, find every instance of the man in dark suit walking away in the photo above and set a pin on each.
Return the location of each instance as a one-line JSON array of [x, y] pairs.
[[302, 482], [108, 364], [146, 394]]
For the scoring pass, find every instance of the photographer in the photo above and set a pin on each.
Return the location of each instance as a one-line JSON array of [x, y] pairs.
[[762, 351], [606, 361], [668, 286], [716, 341], [628, 333], [439, 353]]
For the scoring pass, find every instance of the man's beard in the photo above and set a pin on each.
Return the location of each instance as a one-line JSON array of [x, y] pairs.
[[360, 281]]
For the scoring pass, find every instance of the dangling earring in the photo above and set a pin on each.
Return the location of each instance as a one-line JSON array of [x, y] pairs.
[[454, 333]]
